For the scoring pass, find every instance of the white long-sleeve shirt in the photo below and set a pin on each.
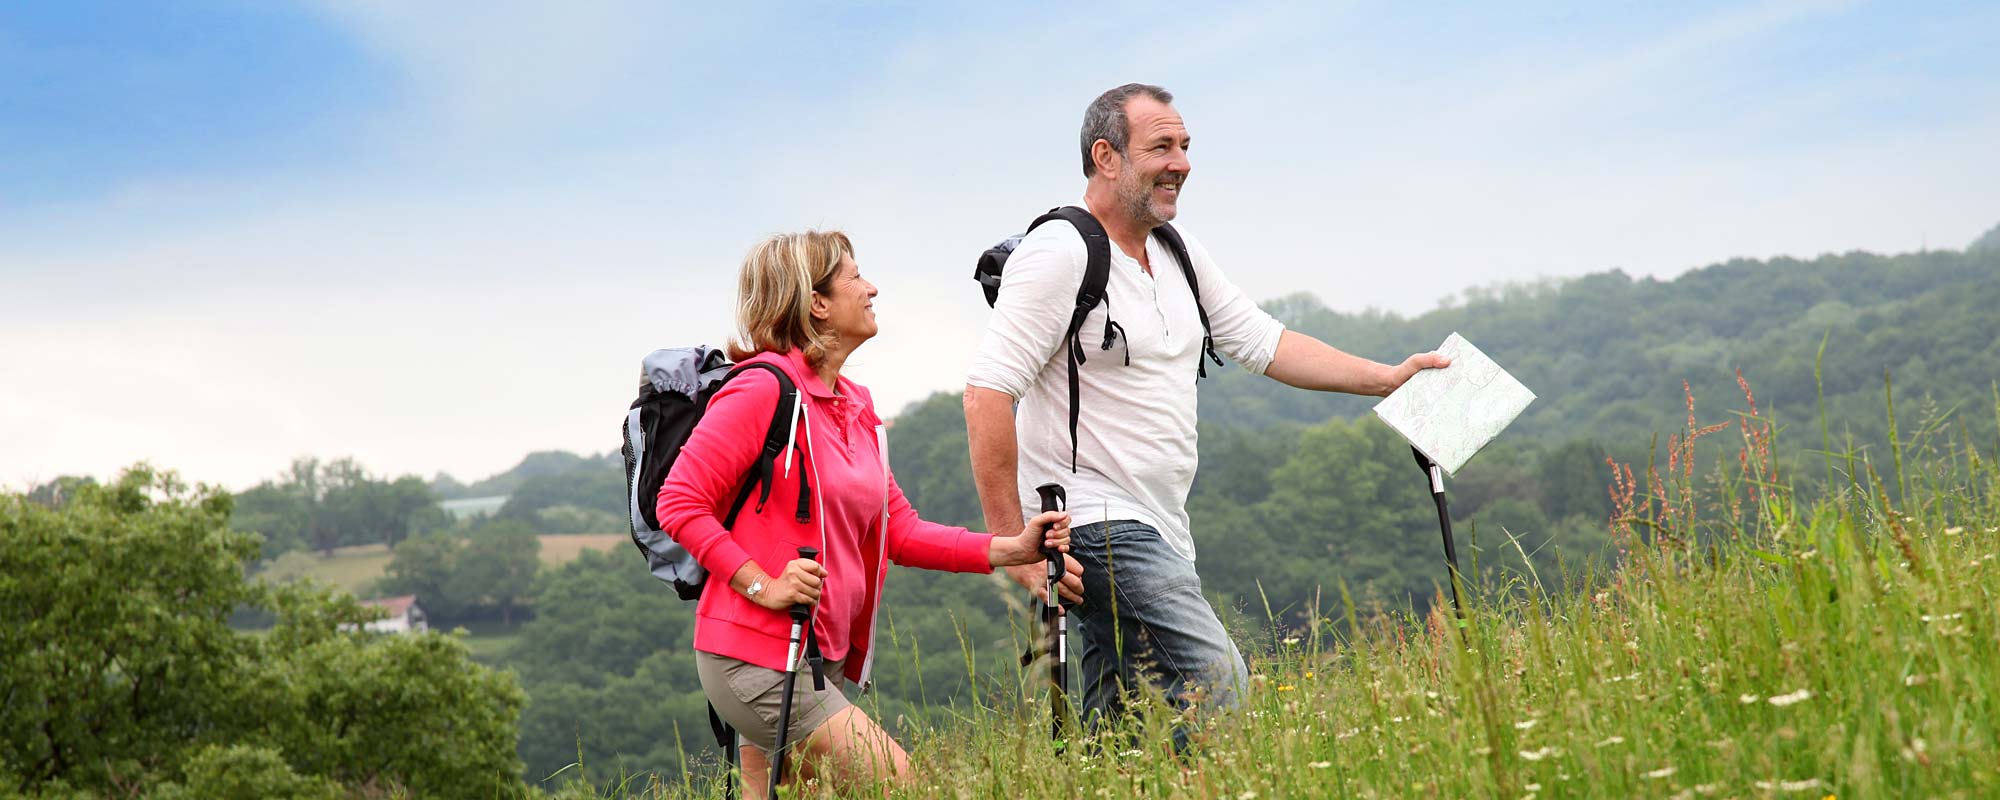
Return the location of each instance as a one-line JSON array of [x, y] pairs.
[[1135, 456]]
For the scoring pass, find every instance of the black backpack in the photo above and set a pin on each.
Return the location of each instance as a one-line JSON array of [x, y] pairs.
[[675, 392], [1096, 272]]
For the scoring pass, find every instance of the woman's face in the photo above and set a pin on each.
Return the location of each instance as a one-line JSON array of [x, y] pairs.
[[848, 306]]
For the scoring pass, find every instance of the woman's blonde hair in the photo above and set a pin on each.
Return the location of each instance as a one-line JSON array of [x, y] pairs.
[[774, 294]]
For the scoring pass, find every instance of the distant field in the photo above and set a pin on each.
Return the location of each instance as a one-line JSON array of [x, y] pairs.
[[352, 568]]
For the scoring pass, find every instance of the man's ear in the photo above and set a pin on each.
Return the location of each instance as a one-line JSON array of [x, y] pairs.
[[1106, 158]]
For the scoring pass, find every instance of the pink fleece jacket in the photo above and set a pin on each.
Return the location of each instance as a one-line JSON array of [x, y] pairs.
[[860, 519]]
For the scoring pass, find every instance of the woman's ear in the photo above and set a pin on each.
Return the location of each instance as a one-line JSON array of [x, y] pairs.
[[822, 308]]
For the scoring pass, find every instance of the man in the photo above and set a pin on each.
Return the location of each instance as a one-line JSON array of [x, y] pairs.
[[1132, 577]]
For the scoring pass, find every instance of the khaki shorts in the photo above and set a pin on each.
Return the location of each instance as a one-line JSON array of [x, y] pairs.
[[747, 697]]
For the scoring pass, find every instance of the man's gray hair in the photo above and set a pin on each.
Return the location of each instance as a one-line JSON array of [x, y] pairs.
[[1105, 119]]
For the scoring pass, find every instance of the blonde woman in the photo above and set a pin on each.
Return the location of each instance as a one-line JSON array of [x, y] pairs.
[[803, 307]]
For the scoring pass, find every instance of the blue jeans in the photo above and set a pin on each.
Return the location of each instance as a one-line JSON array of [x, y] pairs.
[[1143, 619]]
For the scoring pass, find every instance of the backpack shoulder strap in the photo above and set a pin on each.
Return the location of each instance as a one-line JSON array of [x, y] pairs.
[[1096, 274], [775, 437], [1174, 242]]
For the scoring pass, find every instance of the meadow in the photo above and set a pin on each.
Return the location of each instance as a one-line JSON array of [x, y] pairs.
[[1748, 642]]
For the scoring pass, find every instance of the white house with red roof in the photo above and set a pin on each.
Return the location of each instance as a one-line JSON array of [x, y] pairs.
[[405, 616]]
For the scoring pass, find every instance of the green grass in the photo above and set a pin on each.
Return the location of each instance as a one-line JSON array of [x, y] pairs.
[[353, 569], [1748, 644]]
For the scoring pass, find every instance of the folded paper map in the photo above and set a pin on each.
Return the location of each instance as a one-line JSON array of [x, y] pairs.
[[1448, 414]]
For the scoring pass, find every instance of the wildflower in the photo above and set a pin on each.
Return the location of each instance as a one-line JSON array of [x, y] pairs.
[[1791, 786], [1783, 700], [1397, 719], [1954, 530], [1320, 764], [1248, 794], [1916, 680], [1290, 640], [1611, 741], [1132, 754], [1660, 773], [1285, 687], [1482, 750], [1525, 724], [1533, 787], [1537, 755], [1929, 618], [1431, 695], [1309, 675], [1747, 699]]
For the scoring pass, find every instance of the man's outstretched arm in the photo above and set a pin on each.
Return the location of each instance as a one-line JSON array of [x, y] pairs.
[[989, 430], [1309, 363]]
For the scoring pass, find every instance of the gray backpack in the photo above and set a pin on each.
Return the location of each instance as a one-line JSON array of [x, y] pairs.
[[672, 397]]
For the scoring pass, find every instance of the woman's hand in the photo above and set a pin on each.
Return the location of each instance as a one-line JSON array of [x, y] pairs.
[[798, 584], [1049, 529]]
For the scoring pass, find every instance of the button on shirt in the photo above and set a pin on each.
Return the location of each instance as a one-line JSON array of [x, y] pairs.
[[1135, 456]]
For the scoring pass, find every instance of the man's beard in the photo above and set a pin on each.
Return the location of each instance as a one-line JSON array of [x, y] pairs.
[[1137, 197]]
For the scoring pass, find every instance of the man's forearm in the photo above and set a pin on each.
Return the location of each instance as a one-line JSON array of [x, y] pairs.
[[989, 430], [1309, 363]]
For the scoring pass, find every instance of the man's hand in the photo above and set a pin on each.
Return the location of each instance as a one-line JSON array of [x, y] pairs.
[[1036, 578], [1402, 373]]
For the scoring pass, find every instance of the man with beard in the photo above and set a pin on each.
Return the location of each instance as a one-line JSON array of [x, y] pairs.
[[1132, 459]]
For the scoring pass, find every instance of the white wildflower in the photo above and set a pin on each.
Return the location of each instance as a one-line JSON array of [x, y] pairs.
[[1320, 764], [1916, 680], [1533, 787], [1660, 773], [1929, 618], [1747, 699], [1248, 794], [1397, 719], [1707, 788], [1131, 753], [1525, 724], [1783, 700], [1611, 741], [1954, 530], [1482, 750], [1537, 755], [1431, 695], [1791, 786], [1290, 640]]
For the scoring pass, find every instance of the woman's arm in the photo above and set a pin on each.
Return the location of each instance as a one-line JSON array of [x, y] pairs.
[[914, 542]]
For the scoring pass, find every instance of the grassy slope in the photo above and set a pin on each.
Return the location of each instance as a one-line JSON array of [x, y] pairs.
[[1752, 645], [352, 568]]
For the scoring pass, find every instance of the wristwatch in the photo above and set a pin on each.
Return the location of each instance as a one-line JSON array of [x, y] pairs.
[[755, 587]]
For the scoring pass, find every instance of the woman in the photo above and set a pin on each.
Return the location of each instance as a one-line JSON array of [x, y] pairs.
[[804, 307]]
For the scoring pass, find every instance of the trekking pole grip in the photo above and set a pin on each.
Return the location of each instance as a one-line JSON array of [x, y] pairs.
[[800, 611], [1053, 499]]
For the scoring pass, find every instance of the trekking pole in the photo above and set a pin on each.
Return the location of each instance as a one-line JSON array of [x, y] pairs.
[[1436, 474], [1055, 620], [801, 616]]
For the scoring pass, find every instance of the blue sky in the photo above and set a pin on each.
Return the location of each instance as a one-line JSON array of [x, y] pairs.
[[306, 228]]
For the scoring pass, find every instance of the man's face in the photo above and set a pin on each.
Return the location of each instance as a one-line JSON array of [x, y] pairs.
[[1155, 161]]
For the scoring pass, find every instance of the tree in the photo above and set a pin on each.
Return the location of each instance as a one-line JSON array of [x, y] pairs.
[[118, 668], [324, 505], [423, 567], [496, 567]]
